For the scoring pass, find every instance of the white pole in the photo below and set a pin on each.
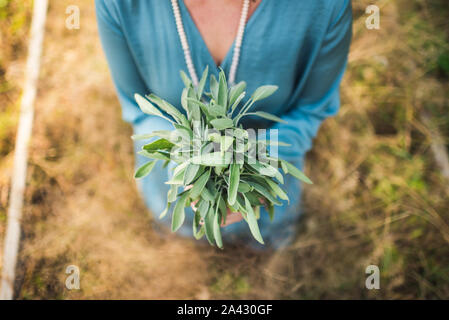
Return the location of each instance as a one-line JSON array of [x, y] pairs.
[[12, 237]]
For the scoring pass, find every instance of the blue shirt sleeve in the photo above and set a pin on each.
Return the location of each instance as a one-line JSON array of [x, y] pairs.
[[318, 97], [122, 66]]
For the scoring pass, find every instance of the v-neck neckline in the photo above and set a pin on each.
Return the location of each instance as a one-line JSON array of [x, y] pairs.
[[230, 52]]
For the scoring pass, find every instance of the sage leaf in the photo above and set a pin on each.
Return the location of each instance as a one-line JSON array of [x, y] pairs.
[[146, 106], [237, 101], [265, 193], [269, 116], [225, 143], [164, 213], [202, 83], [291, 169], [190, 173], [145, 170], [170, 109], [199, 185], [244, 187], [222, 98], [209, 225], [221, 124], [161, 144], [212, 159], [234, 179], [217, 232], [277, 189], [154, 155], [185, 79], [203, 208], [213, 84], [179, 212], [236, 91], [263, 92], [252, 222], [172, 193]]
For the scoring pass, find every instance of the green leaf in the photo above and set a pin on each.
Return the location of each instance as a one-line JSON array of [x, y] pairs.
[[190, 173], [202, 83], [263, 92], [203, 208], [236, 91], [244, 187], [214, 137], [221, 124], [182, 136], [206, 195], [264, 192], [216, 110], [147, 107], [172, 193], [161, 144], [252, 222], [147, 136], [184, 102], [209, 225], [222, 98], [179, 168], [166, 134], [178, 175], [196, 223], [170, 109], [194, 113], [225, 143], [254, 198], [212, 159], [154, 155], [164, 213], [234, 179], [213, 84], [291, 169], [216, 227], [179, 212], [203, 107], [284, 167], [268, 116], [199, 185], [185, 78], [240, 133], [267, 170], [144, 170], [237, 101], [277, 189], [223, 208]]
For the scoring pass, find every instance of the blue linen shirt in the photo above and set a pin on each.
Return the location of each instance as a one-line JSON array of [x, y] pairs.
[[300, 46]]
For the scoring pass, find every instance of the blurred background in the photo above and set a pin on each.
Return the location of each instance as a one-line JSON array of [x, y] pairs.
[[379, 196]]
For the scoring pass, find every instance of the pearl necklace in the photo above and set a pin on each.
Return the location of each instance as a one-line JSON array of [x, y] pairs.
[[186, 49]]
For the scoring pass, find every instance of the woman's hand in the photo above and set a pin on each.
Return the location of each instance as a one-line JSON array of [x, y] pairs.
[[232, 217]]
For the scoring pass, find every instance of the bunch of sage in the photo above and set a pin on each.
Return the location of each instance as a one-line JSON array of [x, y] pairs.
[[218, 164]]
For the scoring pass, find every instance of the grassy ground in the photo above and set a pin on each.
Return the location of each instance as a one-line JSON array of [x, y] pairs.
[[378, 196]]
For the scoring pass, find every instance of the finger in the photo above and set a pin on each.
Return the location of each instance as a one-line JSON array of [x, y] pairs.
[[232, 217]]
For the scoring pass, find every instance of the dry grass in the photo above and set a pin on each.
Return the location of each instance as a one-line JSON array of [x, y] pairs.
[[377, 198]]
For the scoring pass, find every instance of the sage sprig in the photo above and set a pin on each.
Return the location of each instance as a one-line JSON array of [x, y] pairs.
[[224, 166]]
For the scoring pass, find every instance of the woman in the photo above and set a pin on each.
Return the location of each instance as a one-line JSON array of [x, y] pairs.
[[299, 45]]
